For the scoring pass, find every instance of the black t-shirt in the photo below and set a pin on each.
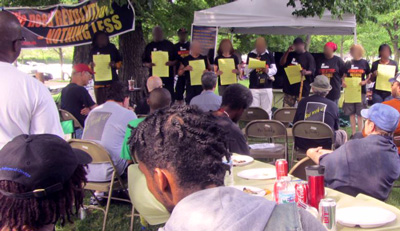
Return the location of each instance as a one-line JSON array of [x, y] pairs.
[[235, 59], [74, 98], [334, 69], [111, 50], [260, 80], [374, 68], [307, 62], [317, 108], [182, 50], [358, 69], [192, 91], [236, 142], [164, 45]]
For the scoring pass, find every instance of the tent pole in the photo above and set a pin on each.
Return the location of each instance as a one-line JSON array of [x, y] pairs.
[[355, 35]]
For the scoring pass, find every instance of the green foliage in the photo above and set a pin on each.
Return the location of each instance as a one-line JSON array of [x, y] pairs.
[[49, 55]]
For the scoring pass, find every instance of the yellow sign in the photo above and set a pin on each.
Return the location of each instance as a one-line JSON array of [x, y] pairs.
[[227, 66], [352, 92], [255, 63], [293, 74], [385, 72], [160, 58], [198, 67], [102, 68]]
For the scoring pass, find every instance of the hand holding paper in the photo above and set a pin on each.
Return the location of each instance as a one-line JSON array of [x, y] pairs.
[[293, 74], [102, 68], [198, 67], [160, 58], [227, 67], [255, 63]]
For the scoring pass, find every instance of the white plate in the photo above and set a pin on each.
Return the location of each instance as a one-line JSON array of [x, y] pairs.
[[365, 217], [245, 160], [259, 192], [258, 174]]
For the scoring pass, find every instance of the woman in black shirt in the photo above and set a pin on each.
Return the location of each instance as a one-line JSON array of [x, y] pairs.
[[225, 51]]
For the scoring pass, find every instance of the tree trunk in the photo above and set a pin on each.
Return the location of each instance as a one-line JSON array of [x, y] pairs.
[[61, 55], [308, 42], [341, 46], [395, 43], [82, 54], [132, 46]]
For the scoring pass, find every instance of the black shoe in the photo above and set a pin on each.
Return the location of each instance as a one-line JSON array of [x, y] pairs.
[[99, 202]]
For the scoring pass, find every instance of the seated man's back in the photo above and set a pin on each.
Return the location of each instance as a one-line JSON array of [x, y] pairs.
[[106, 124], [237, 143], [208, 100]]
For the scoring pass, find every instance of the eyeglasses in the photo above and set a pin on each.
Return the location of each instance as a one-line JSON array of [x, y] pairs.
[[19, 39]]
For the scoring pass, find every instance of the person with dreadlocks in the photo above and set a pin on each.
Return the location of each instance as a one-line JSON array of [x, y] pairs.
[[180, 151], [101, 45], [41, 182]]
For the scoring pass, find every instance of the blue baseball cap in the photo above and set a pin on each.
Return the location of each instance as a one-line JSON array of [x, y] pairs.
[[395, 79], [383, 116]]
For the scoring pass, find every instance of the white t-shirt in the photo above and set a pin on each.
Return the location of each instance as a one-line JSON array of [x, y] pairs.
[[26, 106]]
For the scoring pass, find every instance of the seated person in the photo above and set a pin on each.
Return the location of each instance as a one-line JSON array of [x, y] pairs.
[[180, 152], [319, 108], [158, 98], [395, 102], [208, 100], [153, 82], [106, 125], [369, 165], [236, 99], [74, 97], [35, 196]]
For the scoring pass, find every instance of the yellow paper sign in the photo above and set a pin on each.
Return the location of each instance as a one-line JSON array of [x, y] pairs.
[[159, 58], [227, 66], [102, 68], [385, 72], [352, 92], [293, 74], [255, 63], [198, 67]]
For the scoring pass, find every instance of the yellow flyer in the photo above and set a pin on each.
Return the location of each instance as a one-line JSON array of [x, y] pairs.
[[198, 68], [255, 63], [385, 72], [226, 66], [160, 58], [293, 74], [352, 93], [102, 68]]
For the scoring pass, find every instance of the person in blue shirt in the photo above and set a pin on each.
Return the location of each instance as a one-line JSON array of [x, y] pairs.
[[208, 100]]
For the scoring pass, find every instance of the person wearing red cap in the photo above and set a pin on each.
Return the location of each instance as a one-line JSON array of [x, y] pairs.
[[75, 98], [332, 67]]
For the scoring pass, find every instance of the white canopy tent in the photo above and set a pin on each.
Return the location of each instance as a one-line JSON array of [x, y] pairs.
[[272, 17]]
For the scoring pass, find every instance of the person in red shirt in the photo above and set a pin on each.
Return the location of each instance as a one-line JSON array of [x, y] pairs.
[[395, 102]]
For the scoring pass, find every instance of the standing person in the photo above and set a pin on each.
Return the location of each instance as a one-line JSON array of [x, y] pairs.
[[357, 68], [161, 44], [26, 104], [297, 54], [101, 46], [225, 51], [185, 69], [385, 52], [183, 50], [261, 79], [332, 67]]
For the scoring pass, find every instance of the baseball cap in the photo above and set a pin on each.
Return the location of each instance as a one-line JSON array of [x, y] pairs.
[[321, 82], [332, 45], [298, 40], [182, 30], [395, 79], [383, 116], [83, 67], [41, 163]]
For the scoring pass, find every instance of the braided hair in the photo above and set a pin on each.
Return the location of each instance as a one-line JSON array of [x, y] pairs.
[[183, 140], [34, 213]]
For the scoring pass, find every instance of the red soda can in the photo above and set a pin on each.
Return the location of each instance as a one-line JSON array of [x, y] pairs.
[[301, 189], [281, 166]]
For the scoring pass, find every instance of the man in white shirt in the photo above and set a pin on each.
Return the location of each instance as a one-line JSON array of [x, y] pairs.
[[26, 104]]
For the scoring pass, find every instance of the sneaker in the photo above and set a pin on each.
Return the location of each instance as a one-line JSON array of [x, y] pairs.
[[95, 202]]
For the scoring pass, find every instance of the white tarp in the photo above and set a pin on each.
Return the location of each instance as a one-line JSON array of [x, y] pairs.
[[271, 17]]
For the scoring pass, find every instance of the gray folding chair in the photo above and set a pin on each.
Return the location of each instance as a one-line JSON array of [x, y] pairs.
[[310, 130], [286, 116], [66, 116], [254, 113], [269, 131]]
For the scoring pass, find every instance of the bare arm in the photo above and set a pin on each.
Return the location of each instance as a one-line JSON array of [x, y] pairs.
[[315, 153]]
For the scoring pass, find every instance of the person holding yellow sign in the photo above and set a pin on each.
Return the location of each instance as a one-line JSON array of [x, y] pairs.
[[262, 76], [382, 70], [357, 75], [192, 68]]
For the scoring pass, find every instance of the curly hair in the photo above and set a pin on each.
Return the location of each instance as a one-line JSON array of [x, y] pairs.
[[118, 91], [34, 213], [183, 140]]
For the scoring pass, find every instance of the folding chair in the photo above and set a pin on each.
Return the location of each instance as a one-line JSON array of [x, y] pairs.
[[270, 131], [101, 156], [254, 113], [286, 116], [66, 115], [299, 170], [311, 130]]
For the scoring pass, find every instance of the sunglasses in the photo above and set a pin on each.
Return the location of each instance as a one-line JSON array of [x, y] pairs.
[[19, 39]]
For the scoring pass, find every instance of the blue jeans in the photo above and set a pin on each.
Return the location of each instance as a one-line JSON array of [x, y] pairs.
[[78, 133], [378, 98]]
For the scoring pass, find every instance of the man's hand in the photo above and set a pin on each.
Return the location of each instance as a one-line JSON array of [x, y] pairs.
[[266, 70], [170, 63], [112, 64], [85, 111], [149, 65], [188, 68], [290, 49], [363, 83], [344, 85], [315, 153], [219, 72], [303, 72]]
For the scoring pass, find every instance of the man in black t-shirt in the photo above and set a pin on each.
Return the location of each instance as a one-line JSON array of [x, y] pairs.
[[183, 50], [319, 108], [161, 44], [297, 54], [74, 97]]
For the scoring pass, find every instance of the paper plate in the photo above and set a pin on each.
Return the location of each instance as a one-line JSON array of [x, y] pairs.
[[365, 217], [258, 174], [254, 191], [241, 160]]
